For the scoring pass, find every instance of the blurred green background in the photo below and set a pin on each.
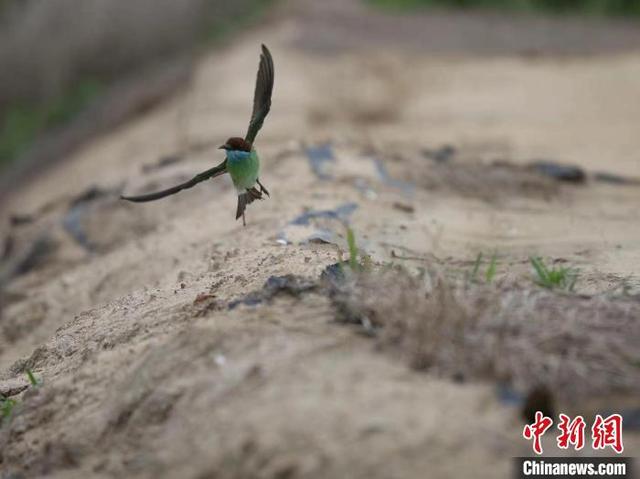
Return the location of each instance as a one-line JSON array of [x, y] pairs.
[[59, 56], [583, 7]]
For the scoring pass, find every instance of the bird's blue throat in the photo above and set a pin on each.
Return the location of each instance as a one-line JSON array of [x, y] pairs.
[[237, 155]]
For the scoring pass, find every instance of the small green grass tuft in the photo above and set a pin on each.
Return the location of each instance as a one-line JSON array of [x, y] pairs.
[[353, 250], [554, 278], [32, 379], [357, 261], [6, 407], [490, 272], [476, 267]]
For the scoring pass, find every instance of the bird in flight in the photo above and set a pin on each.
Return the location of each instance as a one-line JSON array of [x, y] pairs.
[[241, 162]]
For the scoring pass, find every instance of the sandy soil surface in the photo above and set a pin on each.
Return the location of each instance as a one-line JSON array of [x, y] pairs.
[[128, 312]]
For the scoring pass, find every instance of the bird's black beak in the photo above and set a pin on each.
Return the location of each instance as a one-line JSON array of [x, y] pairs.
[[223, 147]]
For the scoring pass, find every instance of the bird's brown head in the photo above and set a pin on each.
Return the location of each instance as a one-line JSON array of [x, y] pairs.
[[236, 144]]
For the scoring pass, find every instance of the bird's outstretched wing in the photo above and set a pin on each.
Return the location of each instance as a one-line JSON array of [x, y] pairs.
[[205, 175], [262, 95]]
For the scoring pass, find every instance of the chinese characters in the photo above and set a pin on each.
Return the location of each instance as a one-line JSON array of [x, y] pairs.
[[605, 432]]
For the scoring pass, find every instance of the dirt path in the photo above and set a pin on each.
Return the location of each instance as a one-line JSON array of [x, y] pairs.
[[148, 373]]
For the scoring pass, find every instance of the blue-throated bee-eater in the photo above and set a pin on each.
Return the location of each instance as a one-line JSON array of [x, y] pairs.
[[241, 162]]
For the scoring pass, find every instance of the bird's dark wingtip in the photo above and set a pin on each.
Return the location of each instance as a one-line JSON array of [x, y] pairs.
[[133, 199]]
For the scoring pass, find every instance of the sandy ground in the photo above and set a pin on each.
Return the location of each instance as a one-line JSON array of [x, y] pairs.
[[147, 371]]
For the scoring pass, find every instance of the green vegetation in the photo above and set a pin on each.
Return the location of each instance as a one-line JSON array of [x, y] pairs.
[[23, 123], [353, 250], [489, 273], [584, 7], [6, 407], [554, 278], [491, 270], [32, 379], [476, 267], [356, 261], [561, 278]]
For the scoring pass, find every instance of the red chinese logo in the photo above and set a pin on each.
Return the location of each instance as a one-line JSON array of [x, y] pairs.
[[571, 432], [536, 430], [605, 432], [608, 432]]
